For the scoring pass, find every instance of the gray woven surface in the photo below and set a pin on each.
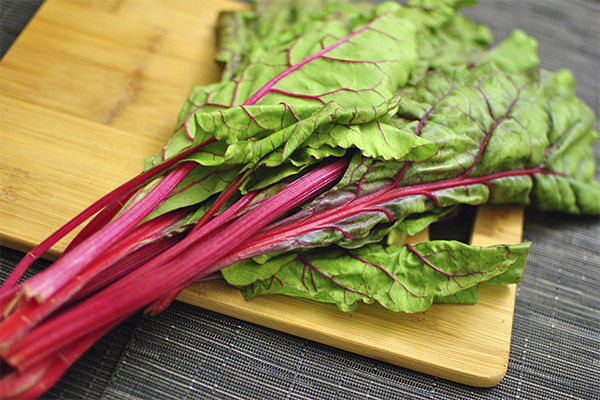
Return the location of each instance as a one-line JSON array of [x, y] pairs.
[[187, 352], [13, 16]]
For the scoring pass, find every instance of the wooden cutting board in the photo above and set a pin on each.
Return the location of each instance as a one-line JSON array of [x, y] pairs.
[[91, 87]]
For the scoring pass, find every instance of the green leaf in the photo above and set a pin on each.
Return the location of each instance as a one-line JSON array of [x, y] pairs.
[[516, 53], [315, 89], [290, 89], [444, 36], [401, 278], [498, 143], [416, 223], [487, 121], [270, 134], [467, 296], [432, 119]]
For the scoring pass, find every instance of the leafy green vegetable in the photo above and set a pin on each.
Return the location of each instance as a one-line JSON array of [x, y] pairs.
[[503, 131], [333, 125], [317, 88], [502, 136]]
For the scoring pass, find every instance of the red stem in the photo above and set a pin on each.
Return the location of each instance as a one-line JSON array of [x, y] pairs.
[[97, 275], [33, 382], [127, 265], [145, 284], [100, 220], [200, 230], [223, 197], [133, 184], [48, 282]]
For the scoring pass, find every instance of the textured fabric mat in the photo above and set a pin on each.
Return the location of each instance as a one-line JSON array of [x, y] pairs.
[[187, 352], [14, 14]]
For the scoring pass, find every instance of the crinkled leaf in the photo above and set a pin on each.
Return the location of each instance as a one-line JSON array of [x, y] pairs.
[[270, 134], [502, 137], [320, 86], [444, 36], [467, 296], [517, 53], [529, 120], [401, 278], [569, 152], [329, 74], [243, 36]]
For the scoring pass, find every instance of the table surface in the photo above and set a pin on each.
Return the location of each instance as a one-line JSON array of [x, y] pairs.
[[187, 352]]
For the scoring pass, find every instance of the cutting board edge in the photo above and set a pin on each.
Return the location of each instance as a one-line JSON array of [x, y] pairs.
[[490, 377]]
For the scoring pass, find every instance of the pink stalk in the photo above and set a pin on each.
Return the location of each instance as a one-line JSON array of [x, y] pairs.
[[133, 184], [193, 238], [36, 380], [11, 301], [223, 197], [32, 312], [8, 300], [17, 382], [126, 265], [100, 220], [162, 303], [216, 222], [200, 230], [48, 282], [145, 285]]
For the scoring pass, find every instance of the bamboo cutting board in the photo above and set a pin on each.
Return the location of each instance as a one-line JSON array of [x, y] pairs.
[[91, 87]]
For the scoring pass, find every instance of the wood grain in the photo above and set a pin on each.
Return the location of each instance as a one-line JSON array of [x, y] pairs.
[[92, 87]]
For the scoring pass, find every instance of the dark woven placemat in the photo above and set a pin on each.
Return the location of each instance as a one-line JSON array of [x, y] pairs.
[[187, 352], [14, 14]]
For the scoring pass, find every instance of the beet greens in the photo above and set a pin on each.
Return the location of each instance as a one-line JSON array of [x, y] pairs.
[[333, 125]]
